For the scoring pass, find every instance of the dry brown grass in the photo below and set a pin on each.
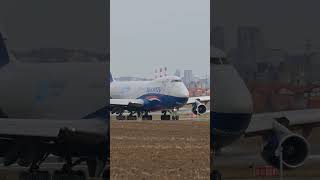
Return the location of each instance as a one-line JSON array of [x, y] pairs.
[[159, 150]]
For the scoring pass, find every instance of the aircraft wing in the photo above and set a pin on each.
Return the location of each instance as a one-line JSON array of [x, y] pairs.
[[28, 140], [203, 99], [47, 129], [299, 119], [134, 103]]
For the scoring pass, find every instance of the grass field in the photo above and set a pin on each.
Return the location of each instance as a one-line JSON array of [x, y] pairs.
[[159, 150]]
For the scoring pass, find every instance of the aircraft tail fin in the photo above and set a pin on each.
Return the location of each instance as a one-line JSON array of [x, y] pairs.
[[4, 55]]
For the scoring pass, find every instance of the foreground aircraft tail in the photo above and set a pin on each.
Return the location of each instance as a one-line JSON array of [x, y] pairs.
[[4, 55], [111, 78]]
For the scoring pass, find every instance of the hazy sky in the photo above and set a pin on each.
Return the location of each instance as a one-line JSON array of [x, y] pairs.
[[286, 23], [54, 24], [146, 34]]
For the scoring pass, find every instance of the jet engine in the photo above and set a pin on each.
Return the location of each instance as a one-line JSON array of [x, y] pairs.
[[198, 108], [295, 148]]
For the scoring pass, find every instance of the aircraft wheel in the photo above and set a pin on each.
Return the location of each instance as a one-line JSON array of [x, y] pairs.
[[39, 175], [216, 175], [120, 117], [147, 117], [165, 117], [106, 174], [175, 117], [131, 117], [74, 175]]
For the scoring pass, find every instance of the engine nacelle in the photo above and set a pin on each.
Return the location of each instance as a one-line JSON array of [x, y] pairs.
[[295, 148], [73, 136], [198, 108]]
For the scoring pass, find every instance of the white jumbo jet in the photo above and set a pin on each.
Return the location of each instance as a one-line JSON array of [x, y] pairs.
[[166, 94], [232, 116]]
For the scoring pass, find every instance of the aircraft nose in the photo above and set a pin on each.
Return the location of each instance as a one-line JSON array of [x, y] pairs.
[[185, 92]]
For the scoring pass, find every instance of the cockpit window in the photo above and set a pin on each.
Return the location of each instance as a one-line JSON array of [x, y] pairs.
[[176, 80]]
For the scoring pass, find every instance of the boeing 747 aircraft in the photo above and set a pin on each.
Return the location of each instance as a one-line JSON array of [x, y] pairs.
[[232, 117], [52, 109], [166, 94]]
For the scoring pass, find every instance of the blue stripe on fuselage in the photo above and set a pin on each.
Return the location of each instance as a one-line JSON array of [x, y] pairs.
[[227, 127], [153, 101]]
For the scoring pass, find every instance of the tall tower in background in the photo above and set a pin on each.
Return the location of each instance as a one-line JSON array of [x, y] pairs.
[[187, 77], [155, 73], [218, 37], [163, 71], [177, 73], [250, 38], [250, 51]]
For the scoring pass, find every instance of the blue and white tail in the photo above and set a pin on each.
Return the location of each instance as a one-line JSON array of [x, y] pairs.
[[4, 55]]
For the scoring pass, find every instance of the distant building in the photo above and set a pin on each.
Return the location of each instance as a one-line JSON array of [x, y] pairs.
[[250, 50], [187, 78], [177, 73], [218, 37], [280, 97], [250, 38]]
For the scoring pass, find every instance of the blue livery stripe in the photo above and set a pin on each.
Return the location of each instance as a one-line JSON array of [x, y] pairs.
[[154, 101], [230, 122], [225, 128]]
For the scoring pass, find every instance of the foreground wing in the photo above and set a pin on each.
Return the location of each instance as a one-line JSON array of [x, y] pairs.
[[299, 119], [32, 140], [203, 99], [126, 102], [43, 128]]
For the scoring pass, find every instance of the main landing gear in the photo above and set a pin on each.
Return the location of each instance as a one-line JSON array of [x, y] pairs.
[[146, 116], [121, 117], [164, 116], [174, 113], [34, 173], [132, 117], [214, 174], [67, 173], [129, 117]]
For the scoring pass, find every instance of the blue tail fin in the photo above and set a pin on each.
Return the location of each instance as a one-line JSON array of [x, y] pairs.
[[4, 55]]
